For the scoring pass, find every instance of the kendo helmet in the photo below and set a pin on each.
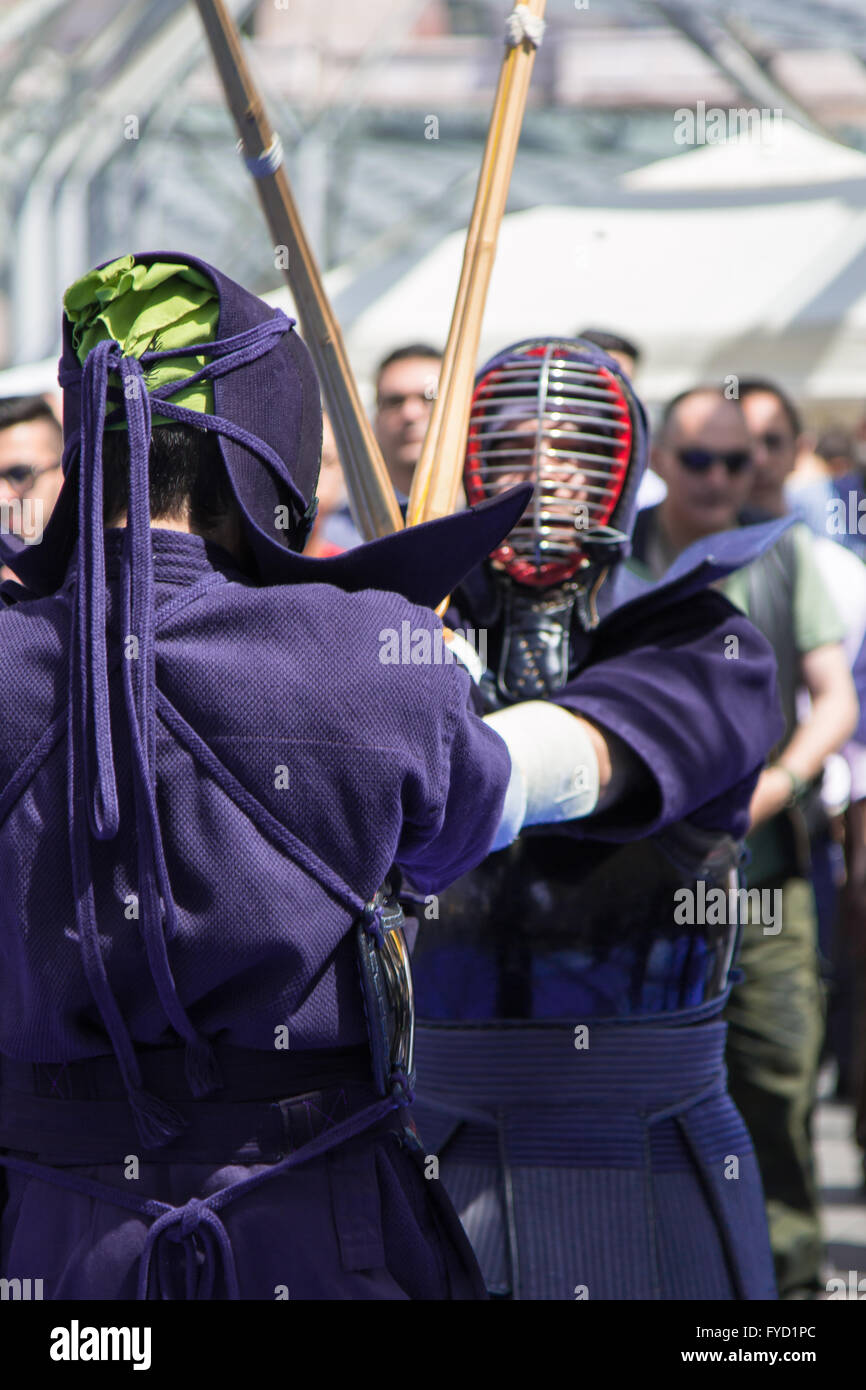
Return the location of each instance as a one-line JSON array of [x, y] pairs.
[[561, 414]]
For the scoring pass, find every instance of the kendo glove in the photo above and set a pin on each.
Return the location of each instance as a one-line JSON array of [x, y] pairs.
[[554, 768]]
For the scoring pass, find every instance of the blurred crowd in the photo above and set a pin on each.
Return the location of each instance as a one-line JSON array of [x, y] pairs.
[[724, 456]]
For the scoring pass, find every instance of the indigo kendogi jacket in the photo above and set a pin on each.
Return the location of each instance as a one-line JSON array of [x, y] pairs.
[[291, 762]]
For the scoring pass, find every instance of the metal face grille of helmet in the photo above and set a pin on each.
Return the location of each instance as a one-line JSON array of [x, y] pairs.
[[548, 413]]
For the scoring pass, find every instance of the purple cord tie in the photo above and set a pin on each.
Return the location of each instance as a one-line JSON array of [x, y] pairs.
[[199, 1229], [196, 1225], [374, 924], [92, 785]]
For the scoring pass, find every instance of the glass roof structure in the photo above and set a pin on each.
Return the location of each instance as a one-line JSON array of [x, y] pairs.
[[114, 135]]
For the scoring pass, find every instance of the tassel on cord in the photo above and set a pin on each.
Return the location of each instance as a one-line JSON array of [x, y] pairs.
[[201, 1067], [157, 1124]]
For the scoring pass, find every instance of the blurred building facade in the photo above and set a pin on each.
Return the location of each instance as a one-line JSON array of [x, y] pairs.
[[115, 136]]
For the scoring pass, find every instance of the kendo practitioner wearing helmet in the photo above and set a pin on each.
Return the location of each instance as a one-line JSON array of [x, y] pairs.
[[207, 773], [570, 1042]]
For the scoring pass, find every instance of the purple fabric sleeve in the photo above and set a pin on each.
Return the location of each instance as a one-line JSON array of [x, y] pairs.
[[693, 694], [444, 839]]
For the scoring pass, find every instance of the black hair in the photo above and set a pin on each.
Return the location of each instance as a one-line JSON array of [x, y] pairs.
[[186, 466], [23, 410], [751, 385], [402, 354], [611, 342]]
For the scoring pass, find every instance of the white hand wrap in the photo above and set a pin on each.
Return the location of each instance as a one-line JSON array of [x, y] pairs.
[[554, 770]]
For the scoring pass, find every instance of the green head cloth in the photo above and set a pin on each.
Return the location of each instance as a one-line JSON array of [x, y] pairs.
[[148, 308]]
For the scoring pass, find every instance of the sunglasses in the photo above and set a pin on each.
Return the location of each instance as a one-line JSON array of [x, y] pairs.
[[701, 460]]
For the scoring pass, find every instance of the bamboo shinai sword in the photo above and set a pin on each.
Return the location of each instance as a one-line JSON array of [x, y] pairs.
[[436, 481], [374, 505], [437, 476]]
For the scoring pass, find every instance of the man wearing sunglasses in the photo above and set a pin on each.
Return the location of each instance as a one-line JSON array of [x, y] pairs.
[[30, 447], [706, 454], [703, 453]]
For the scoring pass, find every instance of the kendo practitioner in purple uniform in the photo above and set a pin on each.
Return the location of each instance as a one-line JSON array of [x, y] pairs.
[[570, 1042], [206, 775]]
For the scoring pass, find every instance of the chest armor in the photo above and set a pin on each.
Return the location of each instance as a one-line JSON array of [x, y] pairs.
[[554, 927], [558, 926]]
